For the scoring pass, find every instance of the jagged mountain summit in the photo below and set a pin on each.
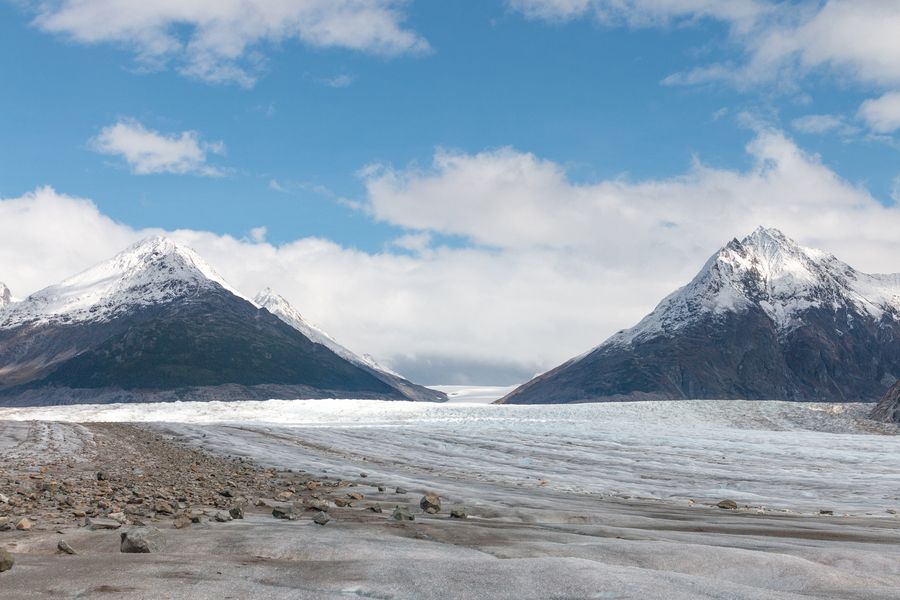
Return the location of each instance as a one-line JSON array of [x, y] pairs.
[[764, 319], [280, 307], [157, 323]]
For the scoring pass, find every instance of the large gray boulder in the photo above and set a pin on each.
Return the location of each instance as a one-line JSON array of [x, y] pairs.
[[142, 540]]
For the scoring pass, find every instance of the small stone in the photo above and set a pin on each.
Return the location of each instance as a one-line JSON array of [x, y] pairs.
[[342, 502], [321, 518], [4, 499], [283, 512], [459, 512], [236, 512], [63, 546], [430, 503], [376, 508], [727, 504], [101, 476], [381, 488], [183, 522], [227, 493], [363, 475], [315, 504], [826, 512], [163, 508], [400, 490], [141, 540], [95, 523], [401, 513], [222, 517], [6, 560], [355, 496], [24, 524]]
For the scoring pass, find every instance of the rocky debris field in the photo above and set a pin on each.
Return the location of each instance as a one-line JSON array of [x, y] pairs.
[[128, 475]]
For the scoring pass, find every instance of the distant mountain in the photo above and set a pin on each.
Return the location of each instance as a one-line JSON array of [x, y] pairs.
[[764, 319], [281, 308], [156, 323]]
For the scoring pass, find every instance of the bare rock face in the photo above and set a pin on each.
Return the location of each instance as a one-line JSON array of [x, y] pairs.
[[765, 319], [141, 540], [888, 409]]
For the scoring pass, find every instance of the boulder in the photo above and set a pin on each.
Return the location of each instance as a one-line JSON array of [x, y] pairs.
[[321, 518], [727, 504], [222, 517], [430, 503], [400, 490], [459, 512], [284, 512], [141, 540], [236, 512], [24, 524]]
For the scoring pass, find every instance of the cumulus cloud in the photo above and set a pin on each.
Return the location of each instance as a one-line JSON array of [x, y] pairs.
[[551, 267], [223, 41], [882, 114], [781, 40], [147, 151]]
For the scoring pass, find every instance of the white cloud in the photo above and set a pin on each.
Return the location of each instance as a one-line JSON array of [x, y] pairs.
[[819, 124], [554, 266], [882, 114], [339, 81], [781, 40], [224, 40], [258, 234], [148, 152]]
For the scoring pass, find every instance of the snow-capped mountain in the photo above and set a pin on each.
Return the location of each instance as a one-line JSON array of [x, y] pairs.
[[5, 296], [157, 323], [154, 271], [765, 318], [280, 307]]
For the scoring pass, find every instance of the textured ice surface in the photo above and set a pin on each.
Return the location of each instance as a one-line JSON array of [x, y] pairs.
[[768, 455]]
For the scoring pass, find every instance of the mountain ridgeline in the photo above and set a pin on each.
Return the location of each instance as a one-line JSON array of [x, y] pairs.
[[765, 319], [156, 323]]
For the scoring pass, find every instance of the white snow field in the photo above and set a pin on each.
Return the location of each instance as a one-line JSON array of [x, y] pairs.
[[565, 502]]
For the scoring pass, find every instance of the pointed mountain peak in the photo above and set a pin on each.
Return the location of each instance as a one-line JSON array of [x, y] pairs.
[[155, 270]]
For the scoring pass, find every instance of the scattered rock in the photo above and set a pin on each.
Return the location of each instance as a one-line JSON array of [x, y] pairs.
[[430, 503], [376, 508], [226, 493], [222, 517], [63, 546], [163, 508], [95, 523], [355, 496], [283, 512], [183, 521], [381, 488], [401, 513], [236, 512], [4, 499], [826, 512], [342, 502], [727, 504], [101, 476], [321, 518], [315, 504], [24, 524], [141, 540], [6, 560], [459, 512], [363, 475], [400, 490]]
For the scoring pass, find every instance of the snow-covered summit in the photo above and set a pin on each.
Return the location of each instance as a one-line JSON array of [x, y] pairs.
[[769, 270], [153, 271], [279, 306]]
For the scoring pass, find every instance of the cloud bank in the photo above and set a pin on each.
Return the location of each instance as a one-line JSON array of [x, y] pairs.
[[224, 41], [551, 266]]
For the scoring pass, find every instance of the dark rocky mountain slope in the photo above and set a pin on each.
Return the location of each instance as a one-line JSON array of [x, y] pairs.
[[764, 319]]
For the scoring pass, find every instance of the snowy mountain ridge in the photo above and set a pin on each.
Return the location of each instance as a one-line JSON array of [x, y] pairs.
[[279, 306], [769, 270], [152, 271]]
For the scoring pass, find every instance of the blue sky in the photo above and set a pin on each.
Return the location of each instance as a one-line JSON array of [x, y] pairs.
[[336, 138]]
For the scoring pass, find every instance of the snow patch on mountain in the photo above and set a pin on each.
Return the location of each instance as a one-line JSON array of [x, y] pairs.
[[769, 270], [279, 306], [5, 296], [153, 271]]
